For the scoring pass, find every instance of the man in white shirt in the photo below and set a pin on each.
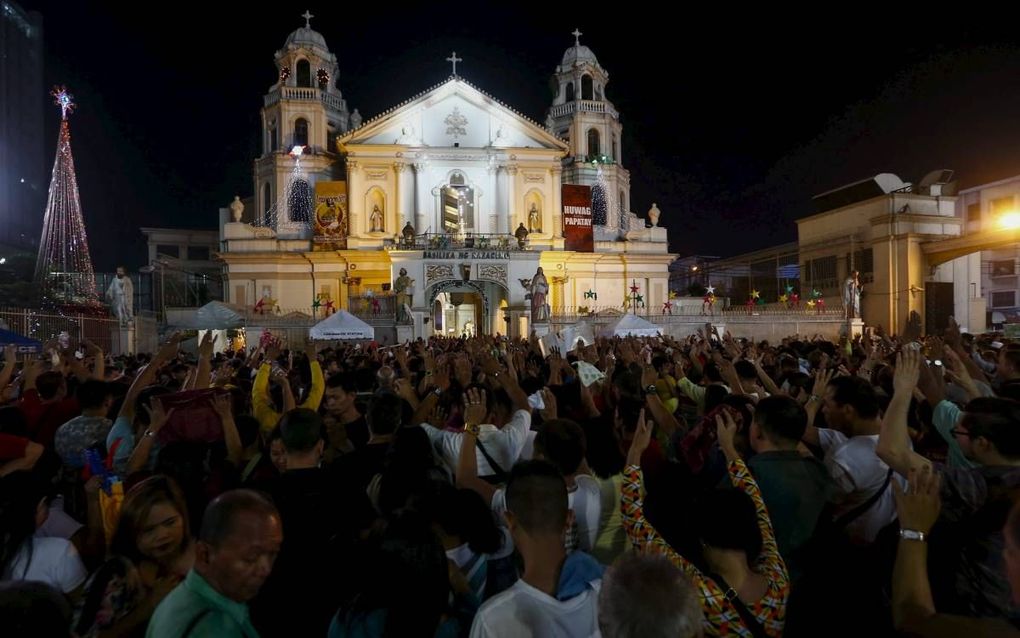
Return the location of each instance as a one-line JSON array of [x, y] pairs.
[[562, 443], [504, 433], [558, 593], [851, 411]]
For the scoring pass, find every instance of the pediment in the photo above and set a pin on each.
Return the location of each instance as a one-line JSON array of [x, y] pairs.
[[452, 114]]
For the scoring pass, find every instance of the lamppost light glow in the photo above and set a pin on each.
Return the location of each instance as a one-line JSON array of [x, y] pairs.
[[1009, 221]]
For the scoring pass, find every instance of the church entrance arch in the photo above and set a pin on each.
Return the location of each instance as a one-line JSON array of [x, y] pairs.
[[465, 307]]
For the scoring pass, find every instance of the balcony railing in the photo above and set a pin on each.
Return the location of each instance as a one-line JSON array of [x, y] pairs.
[[469, 241], [583, 106], [304, 93]]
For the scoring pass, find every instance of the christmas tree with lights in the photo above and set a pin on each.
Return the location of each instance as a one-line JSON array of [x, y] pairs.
[[63, 268]]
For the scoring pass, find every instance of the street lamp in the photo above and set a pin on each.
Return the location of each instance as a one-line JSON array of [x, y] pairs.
[[1009, 221]]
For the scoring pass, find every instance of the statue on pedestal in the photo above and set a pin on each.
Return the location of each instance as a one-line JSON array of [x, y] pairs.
[[120, 294], [653, 215], [538, 289], [521, 234], [236, 208], [402, 288], [376, 219], [408, 234], [534, 219]]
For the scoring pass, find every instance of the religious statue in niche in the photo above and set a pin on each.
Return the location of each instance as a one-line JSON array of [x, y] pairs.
[[534, 219], [376, 219]]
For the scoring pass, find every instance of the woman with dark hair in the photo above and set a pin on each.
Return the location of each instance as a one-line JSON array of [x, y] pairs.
[[410, 464], [407, 594], [744, 593], [25, 556], [151, 551]]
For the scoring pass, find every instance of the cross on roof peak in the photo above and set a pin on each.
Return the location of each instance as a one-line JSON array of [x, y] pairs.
[[307, 15], [577, 37], [454, 59]]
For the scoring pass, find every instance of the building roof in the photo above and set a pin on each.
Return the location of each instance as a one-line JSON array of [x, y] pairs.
[[578, 53], [306, 36]]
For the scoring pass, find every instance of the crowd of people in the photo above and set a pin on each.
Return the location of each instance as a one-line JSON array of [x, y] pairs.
[[483, 486]]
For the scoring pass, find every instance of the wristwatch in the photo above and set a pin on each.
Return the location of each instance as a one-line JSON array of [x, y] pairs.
[[651, 389], [149, 433], [913, 535], [437, 391]]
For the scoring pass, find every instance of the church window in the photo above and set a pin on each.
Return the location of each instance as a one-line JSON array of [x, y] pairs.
[[273, 143], [458, 202], [593, 142], [570, 92], [299, 203], [304, 73], [587, 91], [301, 132], [623, 202], [267, 201], [614, 157]]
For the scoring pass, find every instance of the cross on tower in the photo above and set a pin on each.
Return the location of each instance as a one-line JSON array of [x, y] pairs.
[[577, 37], [453, 58], [307, 15]]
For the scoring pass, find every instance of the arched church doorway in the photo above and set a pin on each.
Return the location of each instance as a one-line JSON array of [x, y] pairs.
[[466, 308]]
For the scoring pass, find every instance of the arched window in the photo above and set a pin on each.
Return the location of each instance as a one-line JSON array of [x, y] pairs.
[[623, 202], [570, 92], [301, 132], [615, 157], [299, 203], [273, 144], [267, 202], [304, 73], [599, 205], [593, 142], [587, 89]]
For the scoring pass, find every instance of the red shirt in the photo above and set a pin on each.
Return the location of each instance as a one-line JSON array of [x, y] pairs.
[[44, 418]]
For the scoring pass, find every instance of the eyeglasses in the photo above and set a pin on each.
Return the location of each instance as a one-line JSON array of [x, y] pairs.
[[959, 432]]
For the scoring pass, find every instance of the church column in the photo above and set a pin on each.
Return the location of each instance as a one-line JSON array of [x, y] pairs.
[[556, 201], [355, 202], [491, 204], [511, 202], [420, 195], [403, 213]]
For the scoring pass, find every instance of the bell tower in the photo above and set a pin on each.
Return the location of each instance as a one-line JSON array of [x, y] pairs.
[[582, 115], [304, 109]]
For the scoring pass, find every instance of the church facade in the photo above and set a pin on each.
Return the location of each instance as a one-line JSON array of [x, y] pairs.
[[452, 187]]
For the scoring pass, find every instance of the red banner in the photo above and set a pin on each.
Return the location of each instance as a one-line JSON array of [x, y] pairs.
[[577, 231]]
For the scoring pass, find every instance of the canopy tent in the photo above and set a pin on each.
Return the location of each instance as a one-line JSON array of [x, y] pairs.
[[215, 315], [22, 344], [341, 325], [631, 325]]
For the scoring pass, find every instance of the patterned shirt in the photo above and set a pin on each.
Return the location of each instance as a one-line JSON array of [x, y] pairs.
[[721, 617], [78, 435]]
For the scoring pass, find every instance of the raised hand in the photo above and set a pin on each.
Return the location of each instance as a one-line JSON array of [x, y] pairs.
[[642, 438], [223, 406], [157, 416], [918, 506], [726, 431], [549, 399], [474, 407], [908, 369], [205, 348]]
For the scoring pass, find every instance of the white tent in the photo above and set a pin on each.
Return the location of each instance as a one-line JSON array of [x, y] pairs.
[[341, 325], [632, 325], [215, 315]]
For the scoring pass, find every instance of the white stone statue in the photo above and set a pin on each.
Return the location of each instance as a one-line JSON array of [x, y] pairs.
[[653, 215], [852, 296], [376, 219], [236, 208], [355, 119], [534, 219], [121, 294]]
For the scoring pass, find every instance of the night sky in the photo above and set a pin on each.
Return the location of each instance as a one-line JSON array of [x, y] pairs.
[[726, 125]]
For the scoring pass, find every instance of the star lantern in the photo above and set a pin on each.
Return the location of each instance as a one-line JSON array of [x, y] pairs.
[[710, 290], [591, 294], [784, 298], [811, 304], [667, 308]]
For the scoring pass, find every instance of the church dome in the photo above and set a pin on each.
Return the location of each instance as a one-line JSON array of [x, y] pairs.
[[307, 36], [578, 53]]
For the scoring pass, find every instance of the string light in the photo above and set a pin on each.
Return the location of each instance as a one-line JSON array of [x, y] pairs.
[[64, 267], [284, 73], [323, 76]]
